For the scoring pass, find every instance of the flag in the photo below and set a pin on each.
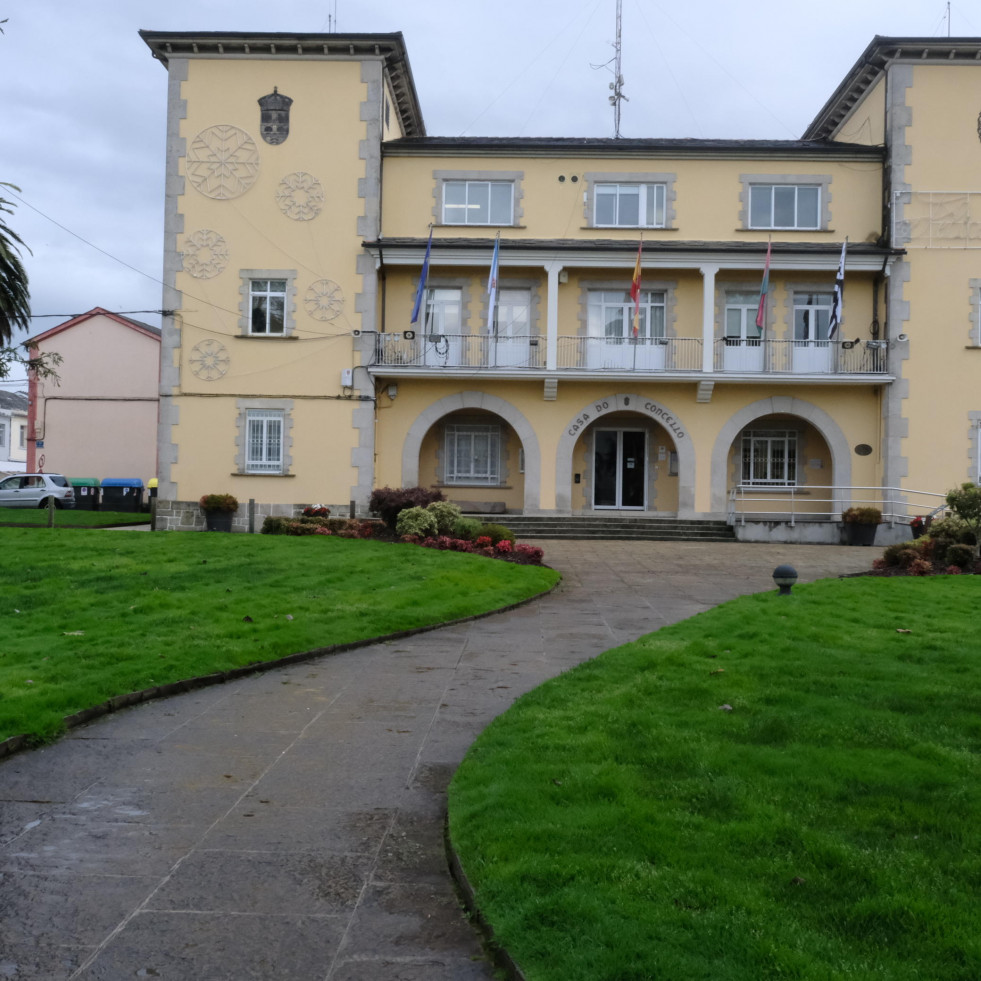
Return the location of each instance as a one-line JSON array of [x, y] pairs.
[[635, 288], [838, 301], [423, 277], [492, 284], [764, 289]]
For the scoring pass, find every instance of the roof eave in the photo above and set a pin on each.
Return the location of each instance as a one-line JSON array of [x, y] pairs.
[[227, 44]]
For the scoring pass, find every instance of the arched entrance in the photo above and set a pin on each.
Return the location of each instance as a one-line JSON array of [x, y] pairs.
[[778, 447], [477, 447], [625, 452]]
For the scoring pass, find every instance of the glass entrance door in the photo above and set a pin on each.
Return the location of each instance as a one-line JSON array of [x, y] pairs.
[[620, 469]]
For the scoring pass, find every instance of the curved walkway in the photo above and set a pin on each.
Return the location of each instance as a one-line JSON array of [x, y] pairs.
[[289, 826]]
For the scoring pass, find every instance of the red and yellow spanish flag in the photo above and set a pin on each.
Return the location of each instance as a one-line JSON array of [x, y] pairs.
[[635, 288]]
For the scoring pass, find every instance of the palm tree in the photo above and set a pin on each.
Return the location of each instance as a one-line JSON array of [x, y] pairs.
[[15, 307]]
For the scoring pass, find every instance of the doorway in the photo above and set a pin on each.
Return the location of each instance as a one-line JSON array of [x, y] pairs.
[[620, 469]]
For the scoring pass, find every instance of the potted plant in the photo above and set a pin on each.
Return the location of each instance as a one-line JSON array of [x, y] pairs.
[[860, 525], [218, 510], [920, 525]]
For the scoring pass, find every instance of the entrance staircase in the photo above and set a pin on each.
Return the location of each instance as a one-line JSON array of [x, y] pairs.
[[618, 527]]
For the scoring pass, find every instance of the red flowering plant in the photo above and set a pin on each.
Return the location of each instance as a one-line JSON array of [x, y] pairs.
[[316, 511]]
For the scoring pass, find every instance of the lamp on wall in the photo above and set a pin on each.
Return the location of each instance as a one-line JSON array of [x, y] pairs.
[[393, 390]]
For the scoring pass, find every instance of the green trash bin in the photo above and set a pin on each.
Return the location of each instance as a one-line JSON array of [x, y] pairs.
[[86, 492]]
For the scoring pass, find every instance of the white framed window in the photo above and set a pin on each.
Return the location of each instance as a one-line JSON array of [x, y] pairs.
[[444, 310], [740, 316], [472, 454], [267, 306], [812, 316], [611, 314], [629, 205], [3, 435], [22, 439], [264, 440], [769, 458], [512, 317], [785, 206], [477, 202]]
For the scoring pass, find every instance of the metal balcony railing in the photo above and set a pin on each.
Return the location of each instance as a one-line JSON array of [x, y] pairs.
[[775, 355], [429, 349]]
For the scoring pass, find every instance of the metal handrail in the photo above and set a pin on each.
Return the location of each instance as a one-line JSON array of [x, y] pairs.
[[827, 501]]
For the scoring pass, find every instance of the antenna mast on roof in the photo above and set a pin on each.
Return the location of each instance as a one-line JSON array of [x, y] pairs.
[[617, 84]]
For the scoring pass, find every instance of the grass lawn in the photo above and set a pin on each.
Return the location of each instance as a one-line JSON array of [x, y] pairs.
[[71, 518], [778, 788], [84, 617]]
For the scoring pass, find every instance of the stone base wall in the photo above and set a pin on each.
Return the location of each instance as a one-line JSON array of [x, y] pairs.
[[814, 532], [188, 516]]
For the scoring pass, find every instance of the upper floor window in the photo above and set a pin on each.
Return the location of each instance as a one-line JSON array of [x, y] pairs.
[[473, 202], [444, 310], [629, 205], [785, 206], [741, 312], [812, 316], [268, 298], [611, 314], [513, 314]]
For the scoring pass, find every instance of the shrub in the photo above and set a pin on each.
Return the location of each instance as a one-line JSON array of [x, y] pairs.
[[218, 502], [388, 502], [966, 504], [947, 532], [274, 525], [901, 555], [466, 528], [446, 515], [316, 511], [415, 521], [495, 533], [862, 516], [353, 528], [960, 555], [920, 567]]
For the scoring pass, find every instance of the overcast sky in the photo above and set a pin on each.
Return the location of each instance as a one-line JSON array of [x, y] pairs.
[[85, 103]]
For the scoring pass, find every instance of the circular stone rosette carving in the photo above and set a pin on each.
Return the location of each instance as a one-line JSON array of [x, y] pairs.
[[209, 360], [222, 162], [300, 196], [323, 300], [205, 254]]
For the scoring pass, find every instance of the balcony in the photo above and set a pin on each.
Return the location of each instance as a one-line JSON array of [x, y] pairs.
[[664, 356]]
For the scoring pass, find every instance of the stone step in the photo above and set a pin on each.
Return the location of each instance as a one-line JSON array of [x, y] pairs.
[[612, 528]]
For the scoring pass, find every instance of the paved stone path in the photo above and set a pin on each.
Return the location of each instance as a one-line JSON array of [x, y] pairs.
[[289, 826]]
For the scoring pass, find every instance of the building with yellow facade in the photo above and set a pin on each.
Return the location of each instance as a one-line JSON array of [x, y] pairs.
[[308, 214]]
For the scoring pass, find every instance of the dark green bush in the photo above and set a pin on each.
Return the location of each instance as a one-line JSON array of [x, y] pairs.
[[496, 533], [466, 528], [960, 555]]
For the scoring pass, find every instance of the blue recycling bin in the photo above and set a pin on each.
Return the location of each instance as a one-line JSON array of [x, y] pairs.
[[122, 494]]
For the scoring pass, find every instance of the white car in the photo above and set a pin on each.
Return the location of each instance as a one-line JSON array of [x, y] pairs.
[[32, 490]]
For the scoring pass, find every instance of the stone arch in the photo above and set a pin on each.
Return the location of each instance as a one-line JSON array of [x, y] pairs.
[[426, 419], [841, 463], [625, 402]]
